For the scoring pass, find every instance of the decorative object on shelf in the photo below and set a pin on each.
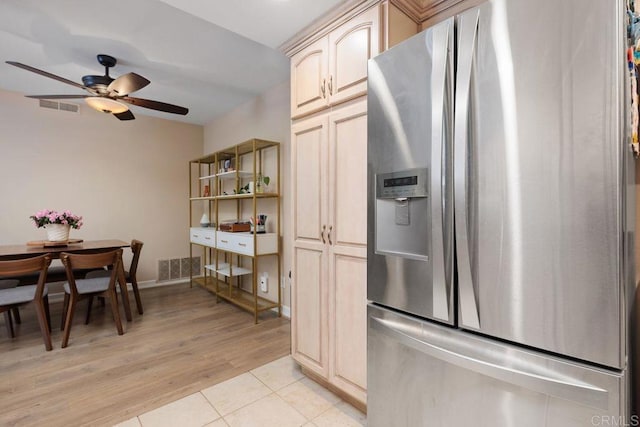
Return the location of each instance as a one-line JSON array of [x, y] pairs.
[[204, 220], [57, 224], [245, 190], [206, 192], [261, 226], [235, 226], [262, 183]]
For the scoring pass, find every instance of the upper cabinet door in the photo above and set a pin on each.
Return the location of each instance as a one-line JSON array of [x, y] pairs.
[[350, 47], [309, 80]]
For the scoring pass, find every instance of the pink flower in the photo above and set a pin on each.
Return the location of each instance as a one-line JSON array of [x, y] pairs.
[[46, 216]]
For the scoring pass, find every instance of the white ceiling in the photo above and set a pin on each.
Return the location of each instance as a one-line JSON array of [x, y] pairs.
[[207, 55]]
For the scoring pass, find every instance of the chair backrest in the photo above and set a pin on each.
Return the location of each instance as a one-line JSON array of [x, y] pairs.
[[28, 265], [136, 248], [112, 259]]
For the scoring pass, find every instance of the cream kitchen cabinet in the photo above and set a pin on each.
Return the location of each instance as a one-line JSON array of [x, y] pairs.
[[333, 69], [329, 168], [329, 188]]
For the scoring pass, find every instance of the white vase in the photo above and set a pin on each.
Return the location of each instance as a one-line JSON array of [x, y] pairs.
[[204, 221], [57, 232]]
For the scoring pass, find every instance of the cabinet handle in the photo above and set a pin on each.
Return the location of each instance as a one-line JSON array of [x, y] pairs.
[[322, 87], [324, 227], [207, 238], [195, 235], [330, 85], [242, 244], [330, 228], [224, 241]]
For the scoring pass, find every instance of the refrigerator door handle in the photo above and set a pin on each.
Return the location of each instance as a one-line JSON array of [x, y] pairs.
[[467, 39], [442, 226], [495, 364]]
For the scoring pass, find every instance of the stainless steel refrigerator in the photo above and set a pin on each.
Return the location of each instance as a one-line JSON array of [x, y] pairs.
[[500, 220]]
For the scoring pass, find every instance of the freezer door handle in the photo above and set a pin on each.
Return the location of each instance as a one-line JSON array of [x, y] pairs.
[[441, 188], [499, 363], [467, 39]]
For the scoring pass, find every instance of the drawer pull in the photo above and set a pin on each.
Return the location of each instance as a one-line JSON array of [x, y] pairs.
[[224, 241], [195, 235], [207, 238], [242, 244]]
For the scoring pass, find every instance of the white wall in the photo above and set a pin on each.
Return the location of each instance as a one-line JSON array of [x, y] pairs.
[[265, 117], [127, 179]]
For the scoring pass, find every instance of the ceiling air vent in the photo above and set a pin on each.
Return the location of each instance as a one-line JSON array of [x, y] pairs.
[[63, 106]]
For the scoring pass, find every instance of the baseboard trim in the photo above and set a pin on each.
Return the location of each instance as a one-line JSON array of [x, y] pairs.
[[59, 296], [155, 284], [361, 406], [286, 311], [147, 284]]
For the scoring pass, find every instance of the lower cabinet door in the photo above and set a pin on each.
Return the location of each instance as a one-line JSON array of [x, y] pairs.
[[347, 241], [309, 316], [348, 337]]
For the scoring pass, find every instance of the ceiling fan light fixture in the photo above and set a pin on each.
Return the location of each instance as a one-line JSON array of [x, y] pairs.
[[106, 105]]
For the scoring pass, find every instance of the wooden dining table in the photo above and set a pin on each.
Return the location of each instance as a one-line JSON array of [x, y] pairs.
[[10, 252]]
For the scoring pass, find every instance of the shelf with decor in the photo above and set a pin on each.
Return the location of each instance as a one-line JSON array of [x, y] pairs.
[[228, 270], [234, 183]]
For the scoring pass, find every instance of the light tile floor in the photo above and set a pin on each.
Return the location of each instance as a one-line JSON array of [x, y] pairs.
[[276, 394]]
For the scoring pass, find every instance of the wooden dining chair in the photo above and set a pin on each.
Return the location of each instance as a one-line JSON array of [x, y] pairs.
[[130, 275], [13, 297], [8, 284], [76, 290]]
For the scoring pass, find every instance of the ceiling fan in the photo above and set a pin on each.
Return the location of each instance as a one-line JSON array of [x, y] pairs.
[[107, 94]]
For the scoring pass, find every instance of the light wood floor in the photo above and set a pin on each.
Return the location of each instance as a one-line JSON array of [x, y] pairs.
[[183, 343]]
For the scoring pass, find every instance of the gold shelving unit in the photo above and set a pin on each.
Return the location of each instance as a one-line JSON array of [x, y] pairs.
[[225, 268]]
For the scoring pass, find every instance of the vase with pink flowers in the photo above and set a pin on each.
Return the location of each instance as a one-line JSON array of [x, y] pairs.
[[57, 224]]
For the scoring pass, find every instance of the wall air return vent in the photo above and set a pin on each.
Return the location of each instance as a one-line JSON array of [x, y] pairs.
[[62, 106], [73, 108], [178, 268], [45, 103]]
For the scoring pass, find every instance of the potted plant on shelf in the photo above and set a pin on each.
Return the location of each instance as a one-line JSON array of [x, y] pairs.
[[57, 224], [262, 183]]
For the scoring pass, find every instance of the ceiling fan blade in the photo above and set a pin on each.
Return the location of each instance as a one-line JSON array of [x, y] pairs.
[[57, 96], [46, 74], [126, 84], [155, 105], [127, 115]]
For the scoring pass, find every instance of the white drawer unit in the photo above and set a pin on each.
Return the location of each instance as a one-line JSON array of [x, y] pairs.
[[203, 236], [242, 243]]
